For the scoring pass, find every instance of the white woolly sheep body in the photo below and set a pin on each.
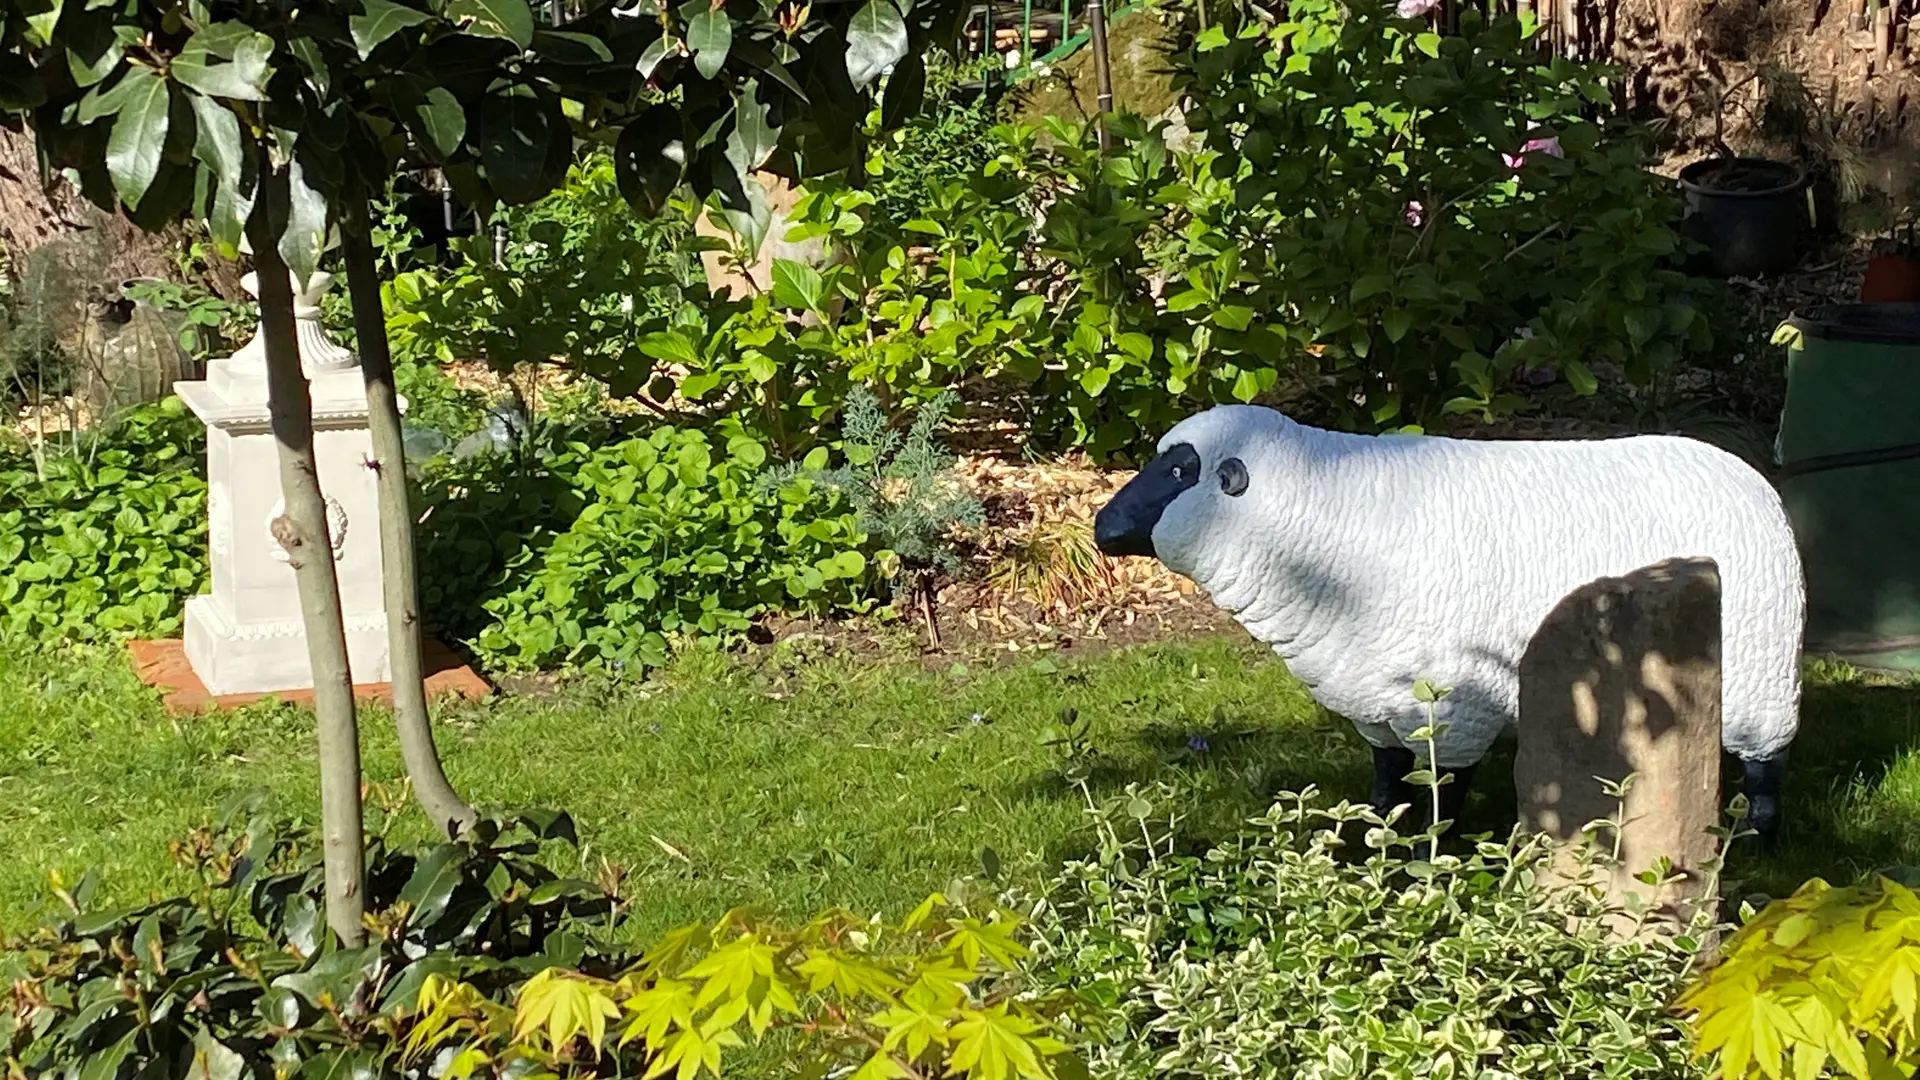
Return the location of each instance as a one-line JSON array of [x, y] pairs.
[[1368, 562]]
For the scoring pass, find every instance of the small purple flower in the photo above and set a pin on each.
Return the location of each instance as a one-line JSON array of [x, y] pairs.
[[1197, 743], [1415, 213], [1413, 9]]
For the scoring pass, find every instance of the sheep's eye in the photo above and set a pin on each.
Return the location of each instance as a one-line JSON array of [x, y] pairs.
[[1233, 476], [1177, 474]]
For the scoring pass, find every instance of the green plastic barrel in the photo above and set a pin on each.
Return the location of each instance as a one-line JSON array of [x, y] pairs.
[[1849, 455]]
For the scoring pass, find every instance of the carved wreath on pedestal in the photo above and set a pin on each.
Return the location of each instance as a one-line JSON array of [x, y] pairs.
[[336, 529]]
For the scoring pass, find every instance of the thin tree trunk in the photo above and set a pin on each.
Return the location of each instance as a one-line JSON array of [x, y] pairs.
[[399, 569], [302, 531]]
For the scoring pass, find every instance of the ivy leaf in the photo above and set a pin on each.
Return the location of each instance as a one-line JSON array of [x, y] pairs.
[[43, 21], [439, 121], [306, 234], [94, 49], [508, 19], [710, 37], [139, 134], [876, 39], [244, 77], [380, 20]]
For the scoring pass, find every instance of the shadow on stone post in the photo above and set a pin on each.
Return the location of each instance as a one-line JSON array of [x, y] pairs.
[[1621, 683]]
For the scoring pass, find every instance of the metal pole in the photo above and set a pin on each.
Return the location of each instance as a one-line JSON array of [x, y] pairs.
[[1102, 70], [1026, 32]]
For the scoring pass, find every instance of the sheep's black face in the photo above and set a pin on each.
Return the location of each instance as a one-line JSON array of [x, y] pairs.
[[1125, 525]]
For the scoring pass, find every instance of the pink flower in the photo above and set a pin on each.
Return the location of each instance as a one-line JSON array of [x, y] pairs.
[[1415, 213], [1549, 146], [1413, 9]]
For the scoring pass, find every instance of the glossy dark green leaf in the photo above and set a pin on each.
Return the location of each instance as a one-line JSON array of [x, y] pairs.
[[906, 89], [214, 1060], [754, 138], [139, 135], [302, 923], [876, 40], [508, 19], [645, 162], [104, 1063], [306, 234], [655, 52], [95, 47], [20, 85], [515, 129], [243, 77], [439, 123], [710, 37], [404, 991], [564, 889], [435, 876], [334, 977], [341, 1065], [279, 1007], [566, 47], [551, 825], [379, 20]]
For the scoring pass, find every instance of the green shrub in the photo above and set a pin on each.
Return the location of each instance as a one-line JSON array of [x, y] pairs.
[[581, 279], [480, 961], [666, 534], [1279, 955], [240, 977], [1372, 209], [107, 538]]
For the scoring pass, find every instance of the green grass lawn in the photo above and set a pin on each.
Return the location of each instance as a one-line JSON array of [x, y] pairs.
[[805, 783]]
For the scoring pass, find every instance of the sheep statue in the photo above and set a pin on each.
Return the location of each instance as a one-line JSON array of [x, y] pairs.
[[1368, 562]]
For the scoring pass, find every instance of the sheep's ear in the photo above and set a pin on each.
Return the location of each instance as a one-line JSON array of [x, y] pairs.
[[1233, 476]]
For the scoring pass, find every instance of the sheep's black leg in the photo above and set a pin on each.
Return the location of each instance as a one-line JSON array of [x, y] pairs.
[[1391, 764], [1453, 793], [1762, 787]]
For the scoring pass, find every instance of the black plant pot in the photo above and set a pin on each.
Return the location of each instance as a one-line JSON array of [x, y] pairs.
[[1750, 213]]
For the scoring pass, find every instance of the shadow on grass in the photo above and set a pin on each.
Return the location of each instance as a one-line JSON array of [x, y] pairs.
[[1852, 795]]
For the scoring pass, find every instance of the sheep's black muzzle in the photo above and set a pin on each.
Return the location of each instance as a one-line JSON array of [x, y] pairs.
[[1125, 525]]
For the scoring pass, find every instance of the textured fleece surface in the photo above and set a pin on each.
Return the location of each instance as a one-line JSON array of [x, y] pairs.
[[1369, 562]]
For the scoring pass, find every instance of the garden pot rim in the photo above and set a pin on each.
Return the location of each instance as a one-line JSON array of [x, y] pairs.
[[1796, 176]]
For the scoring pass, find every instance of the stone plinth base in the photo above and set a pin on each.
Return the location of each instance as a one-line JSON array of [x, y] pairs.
[[163, 665], [255, 658], [1623, 678]]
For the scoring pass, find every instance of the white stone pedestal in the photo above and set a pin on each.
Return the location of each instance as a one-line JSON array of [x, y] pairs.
[[247, 636]]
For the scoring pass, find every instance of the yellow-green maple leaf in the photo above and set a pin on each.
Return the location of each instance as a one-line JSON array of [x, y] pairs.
[[848, 974], [660, 1008], [973, 939], [918, 1028], [731, 969], [690, 1051], [567, 1006], [993, 1044]]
